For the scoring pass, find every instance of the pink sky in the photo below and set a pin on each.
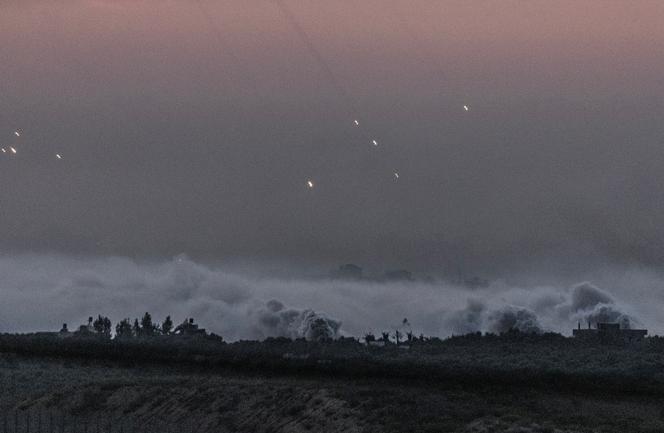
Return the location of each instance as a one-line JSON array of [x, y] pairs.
[[92, 49]]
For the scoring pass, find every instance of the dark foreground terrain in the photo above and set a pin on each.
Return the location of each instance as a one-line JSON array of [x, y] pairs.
[[481, 385]]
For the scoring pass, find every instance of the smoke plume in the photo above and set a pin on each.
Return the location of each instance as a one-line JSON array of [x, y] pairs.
[[40, 292]]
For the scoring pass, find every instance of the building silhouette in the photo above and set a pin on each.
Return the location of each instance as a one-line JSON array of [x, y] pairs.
[[609, 333]]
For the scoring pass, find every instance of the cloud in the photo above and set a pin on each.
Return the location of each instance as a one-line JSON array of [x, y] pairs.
[[477, 317], [585, 296], [467, 320], [40, 292]]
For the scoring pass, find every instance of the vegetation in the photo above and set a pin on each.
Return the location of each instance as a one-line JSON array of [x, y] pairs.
[[510, 359], [487, 381]]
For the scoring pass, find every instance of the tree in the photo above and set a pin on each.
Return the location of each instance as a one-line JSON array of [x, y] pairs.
[[369, 337], [102, 326], [385, 337], [147, 327], [167, 326], [136, 329], [123, 329], [397, 336]]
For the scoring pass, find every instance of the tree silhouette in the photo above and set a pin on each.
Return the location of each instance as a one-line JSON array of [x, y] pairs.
[[147, 327], [102, 326], [167, 326], [136, 328], [397, 336], [123, 329]]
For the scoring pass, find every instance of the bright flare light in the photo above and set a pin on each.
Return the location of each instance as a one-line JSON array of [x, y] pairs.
[[396, 175], [465, 107], [357, 123], [310, 184], [12, 149], [374, 142], [17, 133], [3, 150], [57, 155]]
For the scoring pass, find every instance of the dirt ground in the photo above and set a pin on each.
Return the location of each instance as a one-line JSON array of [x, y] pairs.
[[109, 398]]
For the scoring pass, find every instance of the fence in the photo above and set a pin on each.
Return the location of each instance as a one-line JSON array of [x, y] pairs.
[[45, 421]]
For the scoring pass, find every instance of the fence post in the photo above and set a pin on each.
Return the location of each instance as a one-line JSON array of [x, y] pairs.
[[39, 421], [27, 421]]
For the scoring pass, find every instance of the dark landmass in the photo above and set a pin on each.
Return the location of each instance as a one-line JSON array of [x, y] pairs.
[[472, 383]]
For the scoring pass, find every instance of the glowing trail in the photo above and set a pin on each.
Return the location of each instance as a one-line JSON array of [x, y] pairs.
[[17, 133], [57, 155], [3, 150], [310, 184], [374, 142], [396, 174], [465, 107], [357, 123], [12, 149]]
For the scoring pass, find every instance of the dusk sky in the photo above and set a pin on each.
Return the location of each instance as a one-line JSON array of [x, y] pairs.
[[193, 127]]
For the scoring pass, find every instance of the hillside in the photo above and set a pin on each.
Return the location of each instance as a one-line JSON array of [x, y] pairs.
[[470, 384]]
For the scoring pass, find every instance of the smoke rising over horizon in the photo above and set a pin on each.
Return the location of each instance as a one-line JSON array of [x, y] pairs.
[[39, 292]]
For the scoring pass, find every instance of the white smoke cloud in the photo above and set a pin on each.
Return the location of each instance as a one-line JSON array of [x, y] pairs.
[[585, 296], [40, 292]]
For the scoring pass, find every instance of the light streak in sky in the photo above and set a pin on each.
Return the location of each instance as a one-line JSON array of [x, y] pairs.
[[374, 142], [57, 155], [310, 184], [357, 123], [466, 108], [323, 64], [396, 174], [12, 149], [4, 150], [17, 133]]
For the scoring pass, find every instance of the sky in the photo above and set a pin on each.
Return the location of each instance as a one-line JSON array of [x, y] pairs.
[[193, 127]]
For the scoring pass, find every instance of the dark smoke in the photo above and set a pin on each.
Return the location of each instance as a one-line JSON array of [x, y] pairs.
[[513, 318], [275, 320]]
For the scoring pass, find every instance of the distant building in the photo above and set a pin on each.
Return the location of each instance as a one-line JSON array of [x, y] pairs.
[[609, 333], [399, 275], [63, 333], [188, 328], [376, 343], [349, 271], [85, 330]]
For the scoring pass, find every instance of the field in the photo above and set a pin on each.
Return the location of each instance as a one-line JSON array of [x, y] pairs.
[[464, 385]]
